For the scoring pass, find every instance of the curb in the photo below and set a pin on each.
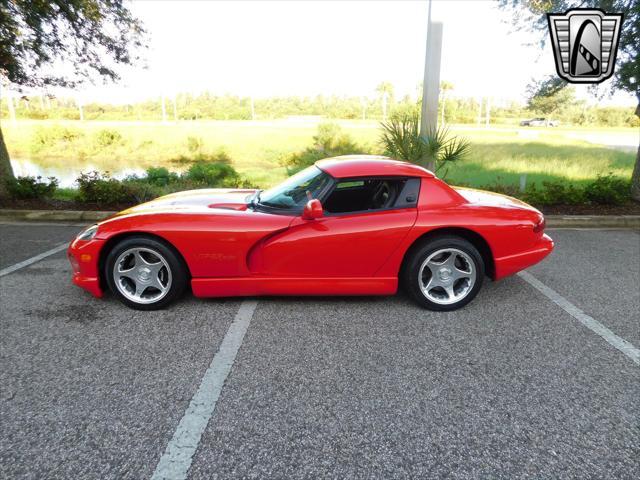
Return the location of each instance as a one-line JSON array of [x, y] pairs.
[[53, 215], [593, 221], [553, 221]]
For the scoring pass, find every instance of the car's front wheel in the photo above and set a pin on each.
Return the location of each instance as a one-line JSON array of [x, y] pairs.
[[444, 274], [144, 273]]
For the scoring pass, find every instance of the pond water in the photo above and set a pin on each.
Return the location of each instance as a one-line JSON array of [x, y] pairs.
[[66, 176]]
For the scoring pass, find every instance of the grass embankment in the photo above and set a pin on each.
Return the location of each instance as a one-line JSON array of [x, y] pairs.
[[498, 154]]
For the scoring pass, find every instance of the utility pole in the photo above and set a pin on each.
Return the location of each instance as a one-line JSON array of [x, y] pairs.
[[431, 84]]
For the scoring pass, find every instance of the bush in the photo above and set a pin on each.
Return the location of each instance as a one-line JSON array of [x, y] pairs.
[[605, 190], [329, 141], [96, 187], [47, 137], [138, 190], [32, 187], [554, 193], [107, 137], [330, 138], [608, 190], [160, 176], [194, 144], [221, 156], [213, 174], [502, 188]]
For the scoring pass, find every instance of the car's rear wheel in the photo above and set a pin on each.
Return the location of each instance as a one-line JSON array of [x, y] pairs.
[[144, 273], [444, 274]]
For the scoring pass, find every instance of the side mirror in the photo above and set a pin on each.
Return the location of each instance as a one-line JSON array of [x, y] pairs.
[[312, 210]]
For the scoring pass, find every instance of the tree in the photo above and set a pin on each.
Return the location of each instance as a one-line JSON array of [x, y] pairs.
[[550, 96], [444, 88], [93, 37], [385, 90], [530, 15]]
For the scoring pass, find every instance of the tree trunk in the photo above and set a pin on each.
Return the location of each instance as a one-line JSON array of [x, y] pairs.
[[6, 172], [635, 176]]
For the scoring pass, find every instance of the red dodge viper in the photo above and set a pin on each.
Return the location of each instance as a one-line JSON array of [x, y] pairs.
[[355, 225]]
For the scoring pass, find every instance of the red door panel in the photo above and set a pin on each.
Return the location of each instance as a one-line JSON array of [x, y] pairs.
[[349, 245]]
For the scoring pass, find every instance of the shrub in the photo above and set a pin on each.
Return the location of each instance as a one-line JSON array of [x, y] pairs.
[[329, 141], [295, 162], [213, 174], [330, 138], [160, 176], [554, 193], [608, 190], [107, 137], [221, 156], [502, 188], [194, 144], [47, 137], [138, 190], [101, 188], [32, 187], [96, 187]]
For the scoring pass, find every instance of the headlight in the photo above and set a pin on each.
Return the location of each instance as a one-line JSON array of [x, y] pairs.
[[88, 233]]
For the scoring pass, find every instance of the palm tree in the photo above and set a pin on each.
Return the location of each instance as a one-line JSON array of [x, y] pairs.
[[385, 90], [401, 140]]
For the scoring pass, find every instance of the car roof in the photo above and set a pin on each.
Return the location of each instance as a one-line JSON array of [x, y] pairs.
[[350, 166]]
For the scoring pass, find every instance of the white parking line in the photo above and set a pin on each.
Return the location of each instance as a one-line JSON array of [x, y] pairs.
[[592, 324], [176, 460], [32, 260]]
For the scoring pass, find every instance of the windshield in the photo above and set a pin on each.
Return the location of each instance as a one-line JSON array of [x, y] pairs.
[[297, 190]]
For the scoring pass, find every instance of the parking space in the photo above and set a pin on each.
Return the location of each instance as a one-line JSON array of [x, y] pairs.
[[508, 387], [90, 389], [22, 241], [511, 386], [600, 272]]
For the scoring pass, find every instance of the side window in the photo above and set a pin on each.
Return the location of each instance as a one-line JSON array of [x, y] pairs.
[[358, 195]]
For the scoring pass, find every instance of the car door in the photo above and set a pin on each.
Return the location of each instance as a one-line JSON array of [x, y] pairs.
[[344, 244]]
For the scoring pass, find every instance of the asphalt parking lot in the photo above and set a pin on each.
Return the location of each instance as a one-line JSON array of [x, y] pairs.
[[512, 386]]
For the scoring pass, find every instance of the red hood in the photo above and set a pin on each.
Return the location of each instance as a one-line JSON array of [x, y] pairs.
[[194, 200]]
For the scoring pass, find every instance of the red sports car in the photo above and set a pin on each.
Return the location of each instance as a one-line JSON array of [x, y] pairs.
[[355, 225]]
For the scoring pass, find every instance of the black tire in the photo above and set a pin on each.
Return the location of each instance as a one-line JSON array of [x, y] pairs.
[[411, 271], [178, 271]]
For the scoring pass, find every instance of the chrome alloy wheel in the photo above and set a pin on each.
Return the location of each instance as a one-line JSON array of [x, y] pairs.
[[447, 276], [142, 275]]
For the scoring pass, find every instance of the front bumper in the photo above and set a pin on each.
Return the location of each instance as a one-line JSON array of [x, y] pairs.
[[511, 264], [84, 257]]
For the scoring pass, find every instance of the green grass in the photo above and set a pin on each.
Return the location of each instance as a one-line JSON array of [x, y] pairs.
[[499, 154], [503, 157]]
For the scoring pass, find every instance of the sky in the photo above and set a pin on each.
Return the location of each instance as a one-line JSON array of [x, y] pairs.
[[270, 48]]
